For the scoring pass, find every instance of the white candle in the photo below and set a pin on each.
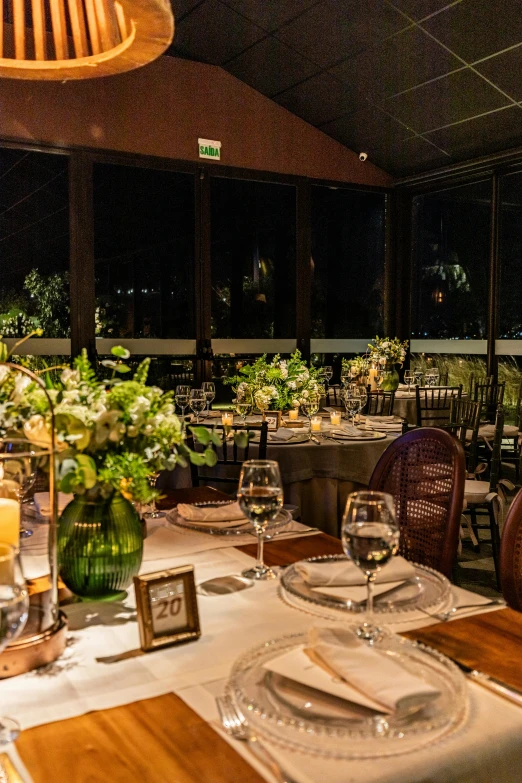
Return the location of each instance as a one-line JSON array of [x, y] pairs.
[[293, 413], [227, 419], [9, 521], [315, 424], [335, 418], [371, 376]]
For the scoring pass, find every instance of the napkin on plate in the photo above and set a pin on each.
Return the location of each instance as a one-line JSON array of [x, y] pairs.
[[374, 673], [281, 434], [349, 432], [42, 502], [389, 419], [346, 573], [229, 514]]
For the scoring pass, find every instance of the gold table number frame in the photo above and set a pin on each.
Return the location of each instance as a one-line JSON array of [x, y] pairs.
[[167, 607]]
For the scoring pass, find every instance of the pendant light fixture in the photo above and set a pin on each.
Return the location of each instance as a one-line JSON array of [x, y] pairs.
[[81, 39]]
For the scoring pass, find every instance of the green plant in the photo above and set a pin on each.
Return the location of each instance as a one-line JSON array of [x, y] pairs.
[[51, 302]]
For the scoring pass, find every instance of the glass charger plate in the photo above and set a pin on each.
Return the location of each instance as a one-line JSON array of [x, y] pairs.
[[426, 590], [302, 718], [282, 519]]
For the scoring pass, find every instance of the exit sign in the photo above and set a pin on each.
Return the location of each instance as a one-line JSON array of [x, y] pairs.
[[209, 149]]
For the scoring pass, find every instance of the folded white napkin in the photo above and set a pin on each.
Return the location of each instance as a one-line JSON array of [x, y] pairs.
[[42, 502], [380, 419], [367, 669], [281, 434], [345, 572], [384, 426], [204, 514], [349, 432]]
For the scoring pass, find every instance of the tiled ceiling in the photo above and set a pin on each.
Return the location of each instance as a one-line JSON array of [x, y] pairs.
[[416, 84]]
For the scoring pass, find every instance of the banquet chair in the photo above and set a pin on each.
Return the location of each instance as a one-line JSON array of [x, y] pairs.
[[433, 404], [464, 421], [424, 471], [443, 377], [512, 455], [490, 396], [477, 381], [333, 395], [510, 558], [379, 403], [230, 456]]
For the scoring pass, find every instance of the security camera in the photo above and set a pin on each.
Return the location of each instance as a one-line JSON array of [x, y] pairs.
[[363, 156]]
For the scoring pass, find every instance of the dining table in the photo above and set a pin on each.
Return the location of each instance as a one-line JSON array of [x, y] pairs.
[[110, 712], [405, 404]]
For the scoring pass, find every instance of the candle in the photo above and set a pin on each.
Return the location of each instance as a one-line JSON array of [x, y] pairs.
[[293, 414], [9, 521], [371, 376], [227, 419], [335, 418], [315, 424]]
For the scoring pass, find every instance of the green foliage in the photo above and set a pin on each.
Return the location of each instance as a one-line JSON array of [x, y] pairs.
[[50, 295]]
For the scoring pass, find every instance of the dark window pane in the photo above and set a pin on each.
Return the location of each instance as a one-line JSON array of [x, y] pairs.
[[164, 371], [347, 262], [510, 309], [451, 231], [253, 259], [34, 243], [144, 252]]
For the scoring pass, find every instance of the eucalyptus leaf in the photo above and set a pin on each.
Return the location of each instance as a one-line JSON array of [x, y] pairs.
[[122, 368], [241, 439], [197, 458], [120, 352], [215, 438], [201, 434], [210, 457], [109, 363]]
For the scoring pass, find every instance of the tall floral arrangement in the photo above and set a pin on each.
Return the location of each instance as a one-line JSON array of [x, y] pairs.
[[277, 385], [386, 350], [111, 434], [356, 366]]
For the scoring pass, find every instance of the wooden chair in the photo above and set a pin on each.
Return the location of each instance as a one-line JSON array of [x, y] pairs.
[[424, 471], [230, 455], [464, 420], [490, 396], [510, 560], [379, 403], [475, 380], [333, 395], [443, 377], [512, 454], [433, 404]]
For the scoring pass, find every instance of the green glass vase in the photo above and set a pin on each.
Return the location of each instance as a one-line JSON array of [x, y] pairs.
[[390, 380], [100, 546]]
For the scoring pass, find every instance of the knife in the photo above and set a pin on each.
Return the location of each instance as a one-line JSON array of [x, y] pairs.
[[491, 683]]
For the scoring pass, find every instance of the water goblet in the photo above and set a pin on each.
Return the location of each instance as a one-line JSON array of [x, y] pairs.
[[260, 497], [352, 401], [363, 394], [418, 376], [197, 402], [243, 405], [154, 512], [408, 379], [370, 538], [182, 399], [210, 392], [310, 406]]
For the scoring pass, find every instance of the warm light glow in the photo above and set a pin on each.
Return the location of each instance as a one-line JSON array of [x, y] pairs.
[[9, 521]]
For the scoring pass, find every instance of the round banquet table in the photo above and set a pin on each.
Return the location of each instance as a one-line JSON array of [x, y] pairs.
[[405, 405]]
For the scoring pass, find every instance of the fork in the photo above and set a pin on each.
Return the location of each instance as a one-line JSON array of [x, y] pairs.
[[445, 616], [237, 727]]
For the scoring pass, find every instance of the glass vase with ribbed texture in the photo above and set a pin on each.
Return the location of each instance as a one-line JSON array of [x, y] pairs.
[[100, 546], [390, 378]]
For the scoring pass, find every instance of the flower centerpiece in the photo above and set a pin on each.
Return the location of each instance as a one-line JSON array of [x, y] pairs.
[[111, 436], [387, 353], [356, 367], [278, 385]]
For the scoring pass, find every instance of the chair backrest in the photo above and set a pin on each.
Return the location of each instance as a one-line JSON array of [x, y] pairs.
[[443, 377], [379, 403], [518, 409], [424, 471], [229, 454], [490, 396], [510, 561], [464, 420], [495, 463], [333, 395], [478, 380], [433, 404]]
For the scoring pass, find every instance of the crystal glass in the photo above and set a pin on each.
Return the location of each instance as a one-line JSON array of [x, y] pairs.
[[197, 402], [435, 374], [18, 472], [346, 377], [310, 406], [408, 379], [353, 402], [182, 399], [210, 392], [154, 512], [370, 538], [363, 394], [418, 375], [243, 405], [260, 497], [327, 373], [14, 611], [379, 375]]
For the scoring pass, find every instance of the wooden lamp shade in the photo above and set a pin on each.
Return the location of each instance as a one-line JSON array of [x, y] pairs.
[[81, 39]]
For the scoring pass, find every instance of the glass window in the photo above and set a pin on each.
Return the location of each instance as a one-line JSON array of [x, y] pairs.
[[348, 244], [451, 235], [510, 309], [144, 223], [34, 243], [253, 259]]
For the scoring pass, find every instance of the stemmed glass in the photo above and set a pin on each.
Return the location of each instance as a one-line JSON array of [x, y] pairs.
[[243, 406], [310, 406], [370, 538], [408, 379], [154, 512], [327, 375], [197, 402], [352, 401], [209, 390], [18, 475], [363, 394], [14, 610], [418, 376], [346, 377], [182, 399], [260, 497], [379, 376]]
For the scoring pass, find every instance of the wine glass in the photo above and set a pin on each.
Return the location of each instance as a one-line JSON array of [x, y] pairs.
[[418, 376], [14, 610], [408, 379], [310, 406], [435, 374], [352, 401], [197, 402], [370, 538], [182, 398], [260, 497], [379, 376], [363, 394], [18, 473], [243, 405], [154, 512], [210, 392], [346, 377], [327, 374]]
